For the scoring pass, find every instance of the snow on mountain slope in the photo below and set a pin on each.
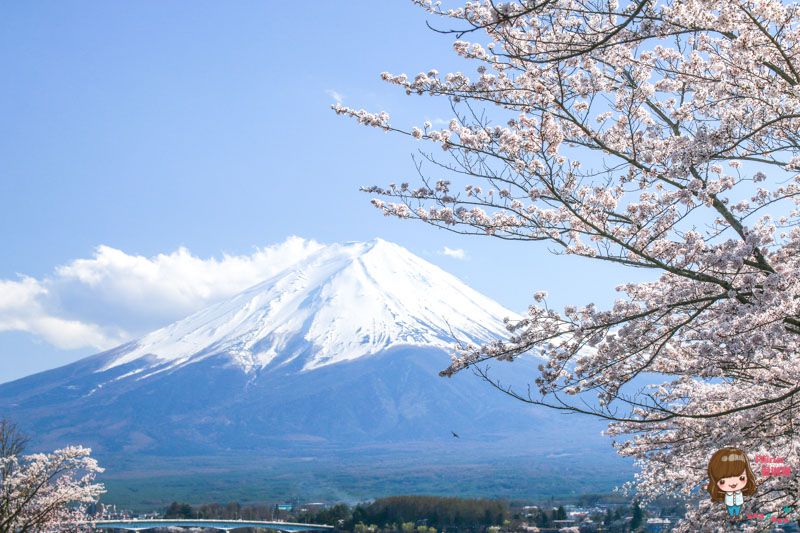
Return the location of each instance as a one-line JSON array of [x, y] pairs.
[[343, 302]]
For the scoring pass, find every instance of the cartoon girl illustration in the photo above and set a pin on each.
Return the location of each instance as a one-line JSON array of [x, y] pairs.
[[730, 478]]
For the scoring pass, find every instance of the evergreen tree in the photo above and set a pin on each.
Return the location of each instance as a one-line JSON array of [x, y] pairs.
[[561, 513], [638, 516], [179, 510]]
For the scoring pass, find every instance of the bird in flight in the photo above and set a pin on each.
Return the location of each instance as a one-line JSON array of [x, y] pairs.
[[455, 434]]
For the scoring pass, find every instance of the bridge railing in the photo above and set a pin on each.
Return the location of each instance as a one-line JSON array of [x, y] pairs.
[[134, 524]]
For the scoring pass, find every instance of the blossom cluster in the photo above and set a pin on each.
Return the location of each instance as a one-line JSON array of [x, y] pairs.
[[47, 492]]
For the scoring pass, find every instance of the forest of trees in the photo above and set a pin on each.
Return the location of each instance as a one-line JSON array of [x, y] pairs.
[[397, 513], [438, 512], [219, 511], [434, 514]]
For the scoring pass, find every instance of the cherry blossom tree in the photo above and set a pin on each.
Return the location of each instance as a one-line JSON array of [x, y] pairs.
[[44, 492], [656, 135]]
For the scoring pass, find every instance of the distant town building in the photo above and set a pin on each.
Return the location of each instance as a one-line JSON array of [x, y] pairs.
[[313, 507], [656, 525]]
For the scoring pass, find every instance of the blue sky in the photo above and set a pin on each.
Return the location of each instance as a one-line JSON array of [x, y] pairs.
[[147, 127]]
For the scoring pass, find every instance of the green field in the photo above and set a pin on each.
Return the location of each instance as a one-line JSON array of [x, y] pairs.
[[151, 485]]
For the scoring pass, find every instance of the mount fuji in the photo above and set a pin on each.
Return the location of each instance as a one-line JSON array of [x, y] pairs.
[[342, 303], [336, 357]]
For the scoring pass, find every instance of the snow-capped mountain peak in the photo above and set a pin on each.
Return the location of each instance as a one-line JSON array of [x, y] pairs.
[[341, 303]]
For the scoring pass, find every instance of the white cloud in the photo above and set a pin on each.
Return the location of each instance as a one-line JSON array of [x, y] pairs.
[[456, 253], [112, 297], [336, 95], [21, 309]]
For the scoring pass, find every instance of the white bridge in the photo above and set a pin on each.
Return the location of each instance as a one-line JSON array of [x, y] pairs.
[[133, 524]]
